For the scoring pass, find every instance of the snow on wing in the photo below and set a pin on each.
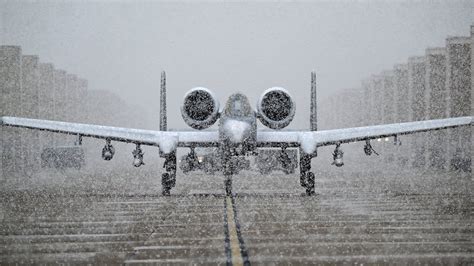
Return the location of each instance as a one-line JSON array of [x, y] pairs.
[[166, 140], [310, 140]]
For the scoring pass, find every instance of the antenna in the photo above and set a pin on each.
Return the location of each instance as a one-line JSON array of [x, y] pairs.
[[313, 119], [163, 118]]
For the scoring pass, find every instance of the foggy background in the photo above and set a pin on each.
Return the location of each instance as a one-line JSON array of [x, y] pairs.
[[228, 47]]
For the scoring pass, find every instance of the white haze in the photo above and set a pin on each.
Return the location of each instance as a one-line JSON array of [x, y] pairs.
[[227, 47]]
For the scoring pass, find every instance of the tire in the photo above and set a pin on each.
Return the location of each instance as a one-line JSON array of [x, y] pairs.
[[228, 186], [264, 171], [289, 171], [166, 184], [303, 181], [310, 179]]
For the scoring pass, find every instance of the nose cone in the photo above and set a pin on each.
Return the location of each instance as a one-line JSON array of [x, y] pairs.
[[236, 131]]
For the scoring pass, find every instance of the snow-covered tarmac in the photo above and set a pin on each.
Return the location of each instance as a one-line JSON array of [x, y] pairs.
[[370, 217]]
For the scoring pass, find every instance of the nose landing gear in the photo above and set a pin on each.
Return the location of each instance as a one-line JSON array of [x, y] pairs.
[[228, 185], [227, 167]]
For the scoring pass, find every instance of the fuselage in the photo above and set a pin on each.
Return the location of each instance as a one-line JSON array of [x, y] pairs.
[[238, 125]]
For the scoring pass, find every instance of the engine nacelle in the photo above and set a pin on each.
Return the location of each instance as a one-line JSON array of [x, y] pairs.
[[200, 108], [276, 108]]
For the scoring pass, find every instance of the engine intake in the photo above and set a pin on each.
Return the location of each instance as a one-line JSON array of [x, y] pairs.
[[276, 108], [200, 108]]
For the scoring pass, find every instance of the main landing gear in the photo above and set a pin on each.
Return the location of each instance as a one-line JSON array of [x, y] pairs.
[[168, 179], [307, 178]]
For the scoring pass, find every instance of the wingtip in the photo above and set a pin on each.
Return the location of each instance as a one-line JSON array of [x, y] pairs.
[[4, 120]]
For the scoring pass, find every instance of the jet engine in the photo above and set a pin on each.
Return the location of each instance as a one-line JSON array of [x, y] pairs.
[[200, 108], [276, 108]]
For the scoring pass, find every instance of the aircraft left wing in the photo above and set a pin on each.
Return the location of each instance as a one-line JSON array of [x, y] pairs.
[[167, 141], [310, 140]]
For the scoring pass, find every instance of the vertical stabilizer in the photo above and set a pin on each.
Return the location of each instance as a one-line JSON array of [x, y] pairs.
[[163, 117], [313, 120]]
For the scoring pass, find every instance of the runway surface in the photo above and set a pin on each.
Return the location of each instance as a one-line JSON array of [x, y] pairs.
[[357, 218]]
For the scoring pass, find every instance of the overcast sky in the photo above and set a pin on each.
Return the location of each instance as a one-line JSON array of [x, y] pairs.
[[227, 47]]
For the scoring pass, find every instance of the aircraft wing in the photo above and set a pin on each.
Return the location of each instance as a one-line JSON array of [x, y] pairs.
[[167, 141], [310, 140]]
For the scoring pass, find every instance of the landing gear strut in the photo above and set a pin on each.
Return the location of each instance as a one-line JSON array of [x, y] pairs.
[[168, 179], [307, 178], [228, 185], [285, 161], [227, 167]]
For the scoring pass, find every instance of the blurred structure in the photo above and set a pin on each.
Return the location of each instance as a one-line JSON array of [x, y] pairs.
[[71, 97], [458, 82], [59, 102], [30, 108], [33, 89], [377, 83], [436, 85], [402, 94], [367, 102], [45, 98], [416, 85], [437, 104], [472, 76], [389, 102], [10, 83], [388, 110], [81, 111]]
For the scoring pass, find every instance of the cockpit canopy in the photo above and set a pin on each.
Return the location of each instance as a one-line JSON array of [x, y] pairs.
[[238, 106]]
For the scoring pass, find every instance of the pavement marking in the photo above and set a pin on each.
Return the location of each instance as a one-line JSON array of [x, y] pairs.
[[138, 248], [371, 259], [234, 245], [187, 261]]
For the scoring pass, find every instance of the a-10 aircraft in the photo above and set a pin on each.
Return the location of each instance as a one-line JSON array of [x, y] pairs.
[[237, 132]]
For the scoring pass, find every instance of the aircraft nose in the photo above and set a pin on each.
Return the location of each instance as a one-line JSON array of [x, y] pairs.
[[236, 131]]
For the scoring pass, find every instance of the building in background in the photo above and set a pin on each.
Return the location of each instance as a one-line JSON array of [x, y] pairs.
[[10, 84], [437, 104], [30, 109], [436, 85], [33, 89], [458, 82]]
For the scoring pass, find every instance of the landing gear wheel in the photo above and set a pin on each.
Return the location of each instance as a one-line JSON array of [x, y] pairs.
[[228, 170], [307, 178], [168, 178], [310, 183], [289, 171], [165, 191], [228, 185], [303, 182], [166, 184]]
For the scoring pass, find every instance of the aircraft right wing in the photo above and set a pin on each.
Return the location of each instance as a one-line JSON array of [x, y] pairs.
[[310, 140]]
